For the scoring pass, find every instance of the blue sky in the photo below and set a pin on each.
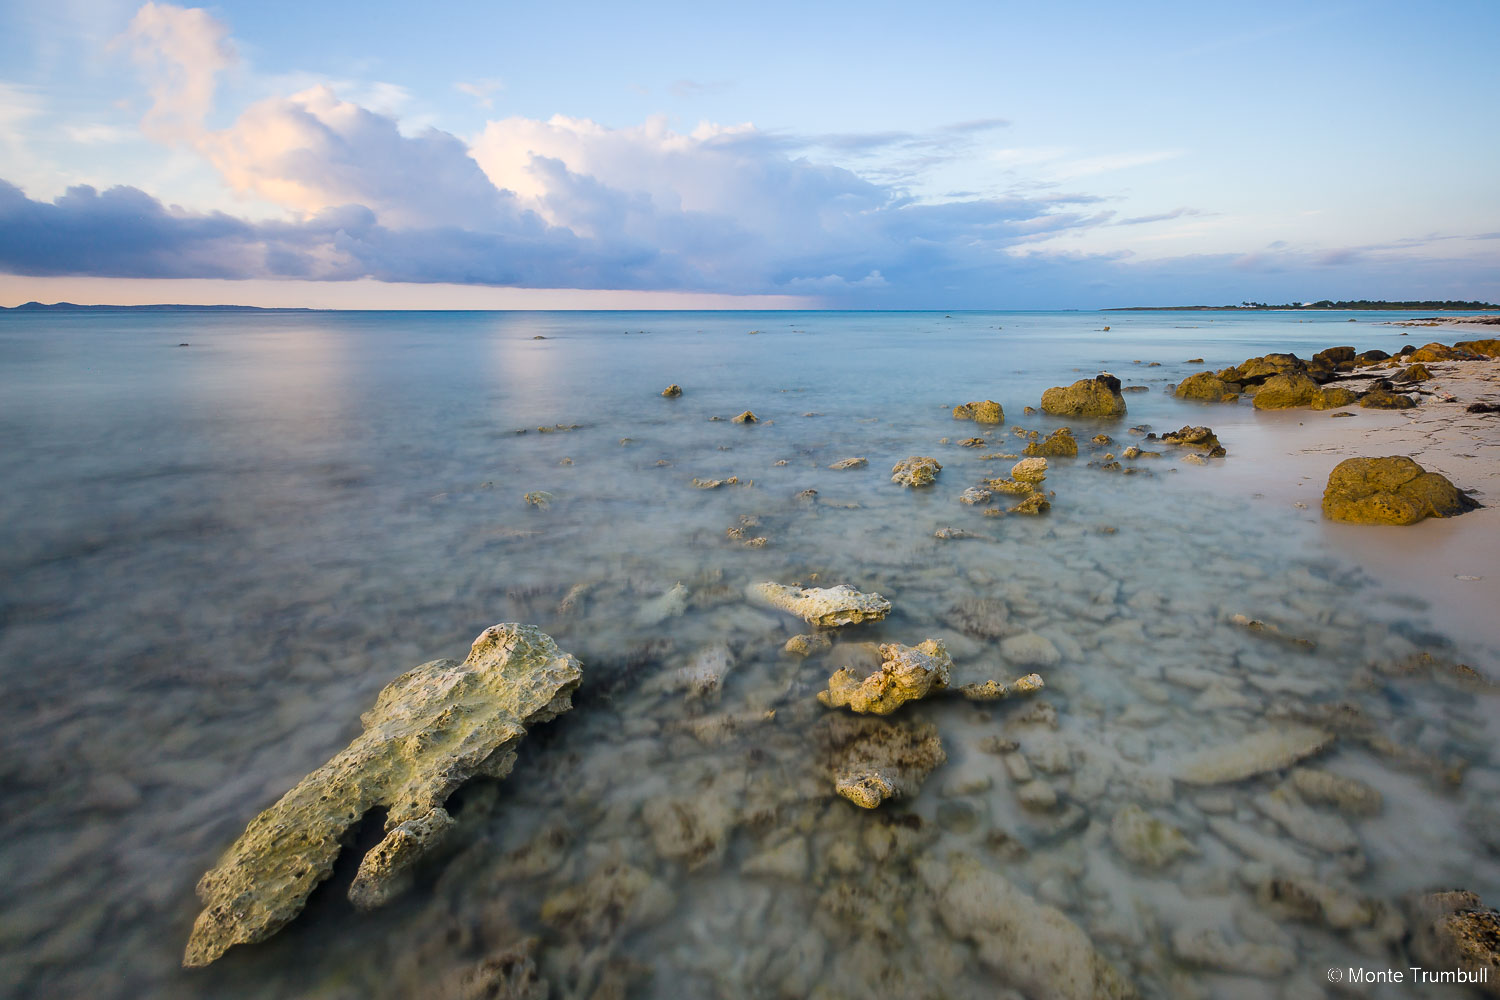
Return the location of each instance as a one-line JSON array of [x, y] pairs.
[[852, 155]]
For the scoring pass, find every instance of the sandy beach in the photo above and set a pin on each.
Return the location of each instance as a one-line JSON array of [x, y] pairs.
[[1452, 564]]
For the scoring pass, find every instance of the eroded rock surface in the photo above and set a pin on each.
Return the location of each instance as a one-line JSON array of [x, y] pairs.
[[918, 470], [871, 760], [431, 729], [1090, 397], [985, 411], [823, 606], [1059, 444], [1207, 387], [1392, 490], [906, 673]]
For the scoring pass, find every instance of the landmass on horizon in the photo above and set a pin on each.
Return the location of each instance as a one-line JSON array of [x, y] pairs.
[[1374, 304], [1325, 304]]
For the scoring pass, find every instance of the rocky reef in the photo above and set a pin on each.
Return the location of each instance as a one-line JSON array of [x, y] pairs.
[[1092, 397], [1393, 490], [432, 729], [907, 673], [826, 607], [872, 760]]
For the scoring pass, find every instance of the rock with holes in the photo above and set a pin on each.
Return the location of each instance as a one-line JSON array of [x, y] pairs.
[[918, 470], [431, 730], [906, 673], [872, 760], [1090, 397], [1392, 490], [826, 607]]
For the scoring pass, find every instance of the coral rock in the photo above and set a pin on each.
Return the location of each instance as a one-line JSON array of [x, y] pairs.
[[1092, 397], [431, 729], [1393, 490], [871, 760], [906, 673], [824, 607], [917, 470]]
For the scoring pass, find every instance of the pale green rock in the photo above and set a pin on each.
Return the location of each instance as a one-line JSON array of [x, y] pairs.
[[431, 730]]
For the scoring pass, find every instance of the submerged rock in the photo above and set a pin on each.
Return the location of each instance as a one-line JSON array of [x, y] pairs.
[[807, 645], [918, 470], [1196, 437], [1267, 750], [871, 760], [975, 495], [907, 673], [1090, 397], [826, 607], [1029, 944], [1144, 840], [1348, 795], [1060, 444], [985, 412], [849, 463], [983, 617], [431, 730], [1392, 490]]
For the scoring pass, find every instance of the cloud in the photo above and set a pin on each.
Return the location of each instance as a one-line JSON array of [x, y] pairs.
[[697, 88], [181, 53], [1141, 220], [483, 91]]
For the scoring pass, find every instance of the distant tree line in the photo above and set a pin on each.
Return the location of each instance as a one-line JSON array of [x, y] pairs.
[[1373, 304]]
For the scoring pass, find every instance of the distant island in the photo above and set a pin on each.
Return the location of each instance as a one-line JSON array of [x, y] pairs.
[[1378, 304], [164, 307]]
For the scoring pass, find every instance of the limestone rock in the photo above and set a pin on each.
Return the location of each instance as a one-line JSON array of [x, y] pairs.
[[993, 690], [1207, 387], [1454, 930], [1030, 944], [1280, 392], [1267, 750], [850, 463], [918, 470], [1323, 831], [617, 897], [1011, 485], [672, 390], [703, 677], [1392, 490], [1030, 470], [1489, 347], [1093, 397], [983, 617], [713, 484], [1037, 503], [1436, 352], [825, 607], [1414, 373], [431, 730], [1060, 444], [1030, 649], [1331, 397], [807, 645], [1202, 438], [668, 605], [1207, 946], [1384, 399], [744, 418], [871, 760], [906, 673], [985, 412], [1348, 795], [1145, 840], [975, 495]]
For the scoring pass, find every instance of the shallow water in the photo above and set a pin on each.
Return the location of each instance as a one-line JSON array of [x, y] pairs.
[[214, 556]]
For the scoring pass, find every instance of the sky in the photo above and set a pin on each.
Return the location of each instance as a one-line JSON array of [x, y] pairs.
[[776, 155]]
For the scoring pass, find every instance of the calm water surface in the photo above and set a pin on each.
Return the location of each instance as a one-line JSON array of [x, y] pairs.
[[213, 556]]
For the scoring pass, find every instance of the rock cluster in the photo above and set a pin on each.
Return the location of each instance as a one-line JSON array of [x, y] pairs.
[[431, 730]]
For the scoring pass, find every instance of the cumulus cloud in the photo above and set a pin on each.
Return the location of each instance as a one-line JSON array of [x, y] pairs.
[[181, 52]]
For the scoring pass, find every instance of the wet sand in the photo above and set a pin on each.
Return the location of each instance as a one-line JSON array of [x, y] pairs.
[[1453, 564]]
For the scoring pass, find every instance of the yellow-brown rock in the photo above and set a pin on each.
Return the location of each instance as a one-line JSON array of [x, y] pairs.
[[1090, 397], [985, 411], [1393, 490]]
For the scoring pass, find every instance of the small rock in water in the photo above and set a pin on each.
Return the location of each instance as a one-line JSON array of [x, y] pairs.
[[1267, 750], [975, 495], [825, 607], [807, 645], [744, 418], [672, 390], [849, 463], [1029, 470], [1144, 840], [907, 673], [917, 470], [985, 412]]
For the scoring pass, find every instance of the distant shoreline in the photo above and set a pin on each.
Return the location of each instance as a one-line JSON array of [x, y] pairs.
[[1318, 307]]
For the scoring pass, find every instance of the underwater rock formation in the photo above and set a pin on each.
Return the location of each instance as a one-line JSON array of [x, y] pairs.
[[849, 463], [906, 673], [1090, 397], [431, 729], [1146, 841], [917, 470], [826, 607], [871, 760], [1267, 750], [1392, 490]]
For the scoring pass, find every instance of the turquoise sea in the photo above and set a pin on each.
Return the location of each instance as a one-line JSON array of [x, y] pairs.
[[221, 533]]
